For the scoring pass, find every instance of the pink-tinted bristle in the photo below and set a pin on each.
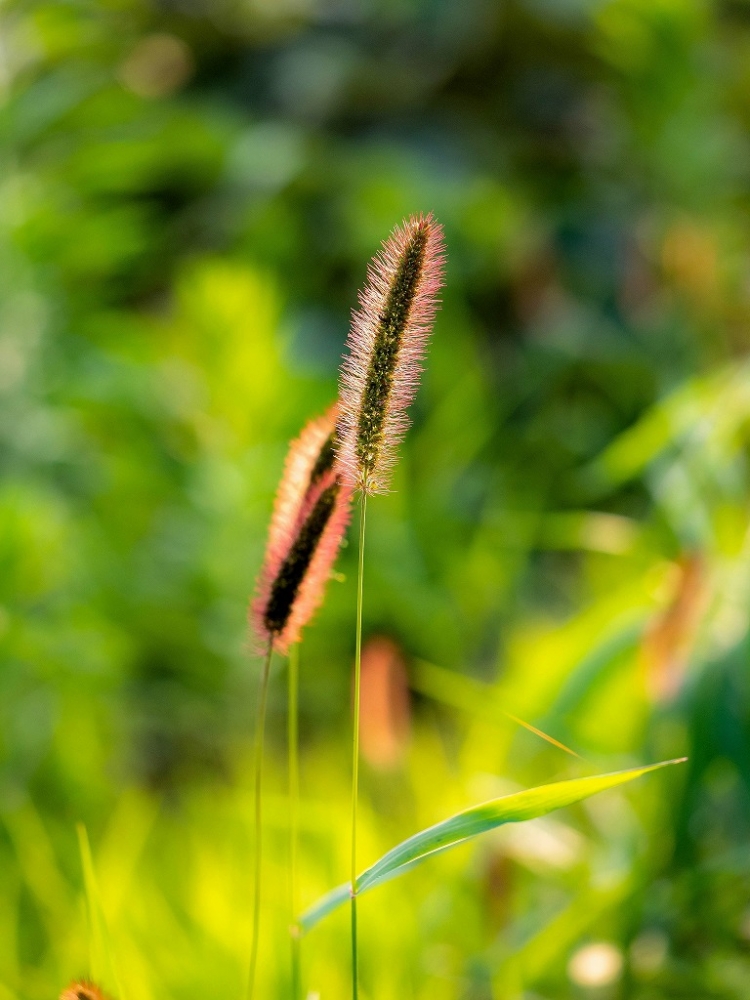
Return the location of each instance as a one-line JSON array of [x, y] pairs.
[[312, 589], [82, 990], [407, 369], [290, 508]]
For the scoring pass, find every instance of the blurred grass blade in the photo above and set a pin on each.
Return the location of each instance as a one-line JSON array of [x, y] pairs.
[[103, 966], [472, 696], [534, 957], [595, 668], [470, 823], [325, 905], [668, 424]]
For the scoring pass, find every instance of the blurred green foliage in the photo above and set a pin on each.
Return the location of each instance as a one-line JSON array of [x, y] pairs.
[[190, 191]]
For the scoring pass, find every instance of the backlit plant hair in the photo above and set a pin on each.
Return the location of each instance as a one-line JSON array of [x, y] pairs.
[[82, 990], [310, 516], [385, 348], [379, 377]]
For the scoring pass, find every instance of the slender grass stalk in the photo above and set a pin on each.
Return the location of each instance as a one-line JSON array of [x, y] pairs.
[[379, 377], [355, 738], [293, 753], [311, 513], [258, 768]]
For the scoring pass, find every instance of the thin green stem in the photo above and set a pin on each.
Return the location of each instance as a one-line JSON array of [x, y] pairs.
[[293, 753], [355, 739], [258, 766]]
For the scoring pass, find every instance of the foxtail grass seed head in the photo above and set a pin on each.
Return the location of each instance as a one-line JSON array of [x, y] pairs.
[[310, 517], [82, 991], [385, 349]]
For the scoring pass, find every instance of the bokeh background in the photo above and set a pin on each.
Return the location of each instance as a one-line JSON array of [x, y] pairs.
[[190, 191]]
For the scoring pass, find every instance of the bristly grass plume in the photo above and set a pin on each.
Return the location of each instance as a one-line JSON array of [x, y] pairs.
[[309, 520], [386, 345], [82, 991], [379, 377], [310, 517]]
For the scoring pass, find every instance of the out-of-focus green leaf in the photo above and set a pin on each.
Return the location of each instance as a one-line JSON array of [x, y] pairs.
[[472, 696], [103, 965]]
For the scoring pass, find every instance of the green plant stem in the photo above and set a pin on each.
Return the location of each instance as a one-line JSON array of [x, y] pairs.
[[355, 738], [293, 753], [258, 766]]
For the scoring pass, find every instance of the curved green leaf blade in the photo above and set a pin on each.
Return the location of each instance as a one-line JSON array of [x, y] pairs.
[[470, 823], [325, 905], [341, 894]]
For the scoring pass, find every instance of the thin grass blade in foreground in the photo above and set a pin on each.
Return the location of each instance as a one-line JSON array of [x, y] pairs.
[[459, 691], [309, 520], [103, 965], [470, 823]]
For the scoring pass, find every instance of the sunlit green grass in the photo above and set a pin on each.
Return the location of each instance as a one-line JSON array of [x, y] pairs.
[[567, 541]]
